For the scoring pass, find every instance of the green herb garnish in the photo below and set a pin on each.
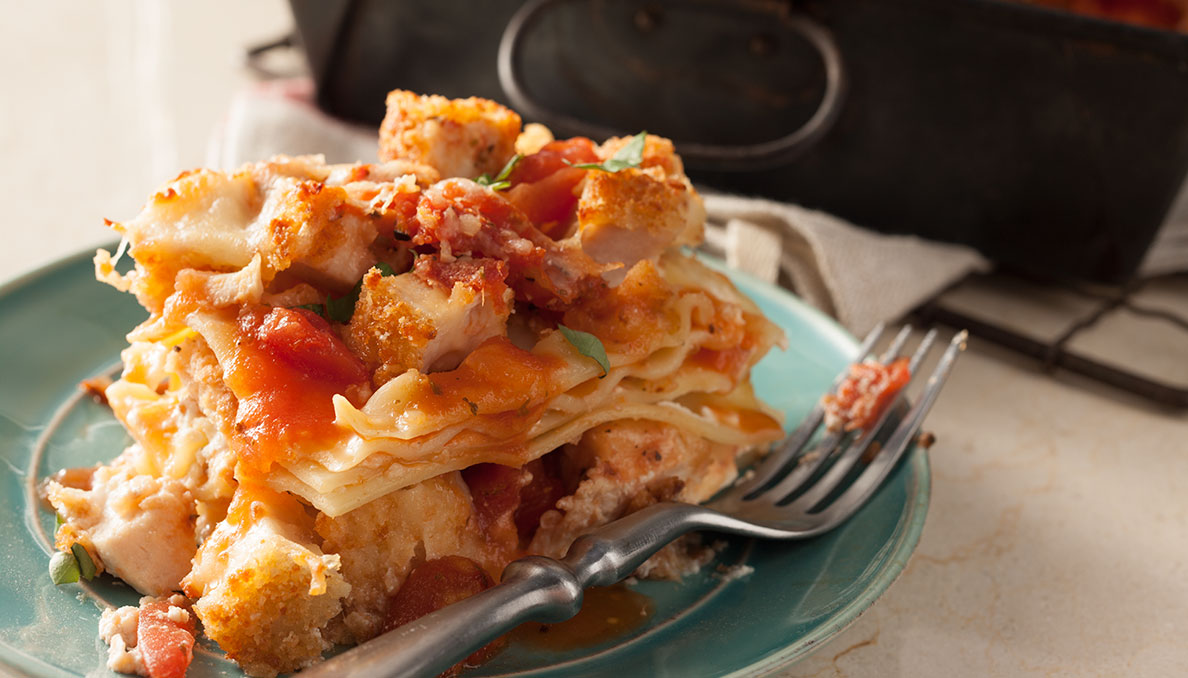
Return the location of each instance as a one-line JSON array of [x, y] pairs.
[[630, 155], [63, 568], [588, 345], [501, 181], [86, 566], [341, 309]]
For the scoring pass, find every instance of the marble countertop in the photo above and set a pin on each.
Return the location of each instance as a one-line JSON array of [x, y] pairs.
[[1057, 538]]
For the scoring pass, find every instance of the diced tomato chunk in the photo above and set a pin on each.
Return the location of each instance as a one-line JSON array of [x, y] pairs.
[[505, 497], [861, 398], [552, 157], [539, 495], [544, 183], [550, 202], [286, 370], [434, 584], [431, 586], [166, 645], [303, 340], [495, 491]]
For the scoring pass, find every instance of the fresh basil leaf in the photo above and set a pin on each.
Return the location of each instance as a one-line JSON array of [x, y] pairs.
[[63, 568], [630, 155], [316, 308], [500, 181], [86, 566], [505, 173], [588, 345], [340, 309]]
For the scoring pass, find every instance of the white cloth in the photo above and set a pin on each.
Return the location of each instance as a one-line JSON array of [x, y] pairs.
[[857, 276]]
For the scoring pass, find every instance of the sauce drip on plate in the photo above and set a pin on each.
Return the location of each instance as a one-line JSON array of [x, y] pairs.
[[607, 613]]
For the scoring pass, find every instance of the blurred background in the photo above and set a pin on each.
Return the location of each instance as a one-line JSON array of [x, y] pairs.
[[104, 101], [1047, 143]]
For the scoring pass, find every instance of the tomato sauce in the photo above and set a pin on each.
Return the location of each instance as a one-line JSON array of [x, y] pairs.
[[288, 366], [431, 586], [495, 491], [482, 223], [866, 391], [509, 502], [607, 613], [731, 362], [544, 184], [497, 378], [629, 317]]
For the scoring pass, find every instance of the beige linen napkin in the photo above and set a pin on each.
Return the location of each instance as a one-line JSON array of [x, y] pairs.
[[857, 276]]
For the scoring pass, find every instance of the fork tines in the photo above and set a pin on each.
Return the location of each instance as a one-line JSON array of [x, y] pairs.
[[800, 478]]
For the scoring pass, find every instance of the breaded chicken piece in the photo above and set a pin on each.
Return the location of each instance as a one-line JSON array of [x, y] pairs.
[[265, 591], [297, 215], [658, 152], [457, 137], [135, 526], [380, 542], [635, 214], [429, 318], [629, 465]]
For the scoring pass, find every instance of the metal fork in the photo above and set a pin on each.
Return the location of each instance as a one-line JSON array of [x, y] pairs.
[[791, 495]]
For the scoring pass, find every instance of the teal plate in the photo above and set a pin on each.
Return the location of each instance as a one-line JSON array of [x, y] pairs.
[[58, 326]]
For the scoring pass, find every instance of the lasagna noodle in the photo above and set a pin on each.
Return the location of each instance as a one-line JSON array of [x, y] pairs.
[[387, 446], [335, 493], [388, 463]]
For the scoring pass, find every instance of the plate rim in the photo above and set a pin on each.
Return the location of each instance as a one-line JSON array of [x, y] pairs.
[[903, 540], [906, 538]]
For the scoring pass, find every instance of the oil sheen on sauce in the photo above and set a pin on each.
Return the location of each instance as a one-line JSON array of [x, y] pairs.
[[607, 613]]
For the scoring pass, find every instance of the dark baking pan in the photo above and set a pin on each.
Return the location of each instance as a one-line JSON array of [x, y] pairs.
[[1051, 142]]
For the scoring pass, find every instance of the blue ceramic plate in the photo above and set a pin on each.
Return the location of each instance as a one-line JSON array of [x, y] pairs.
[[58, 326]]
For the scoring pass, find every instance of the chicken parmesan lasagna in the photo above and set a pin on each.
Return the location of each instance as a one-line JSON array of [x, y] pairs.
[[360, 380]]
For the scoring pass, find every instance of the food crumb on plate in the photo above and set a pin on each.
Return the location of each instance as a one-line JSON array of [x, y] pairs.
[[728, 573]]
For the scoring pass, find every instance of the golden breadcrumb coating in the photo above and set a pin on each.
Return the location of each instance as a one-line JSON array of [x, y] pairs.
[[264, 589], [631, 464], [380, 542], [458, 137]]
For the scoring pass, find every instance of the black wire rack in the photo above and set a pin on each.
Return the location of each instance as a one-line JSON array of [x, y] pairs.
[[1103, 303]]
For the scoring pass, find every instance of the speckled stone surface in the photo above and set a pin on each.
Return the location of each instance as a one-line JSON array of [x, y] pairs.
[[1055, 542], [1057, 539]]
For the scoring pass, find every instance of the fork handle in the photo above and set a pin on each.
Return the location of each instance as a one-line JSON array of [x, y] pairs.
[[535, 588]]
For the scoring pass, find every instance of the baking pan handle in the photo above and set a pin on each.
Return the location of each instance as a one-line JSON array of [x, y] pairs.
[[707, 156]]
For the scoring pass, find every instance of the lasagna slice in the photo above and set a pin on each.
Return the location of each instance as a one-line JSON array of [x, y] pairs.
[[353, 376]]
